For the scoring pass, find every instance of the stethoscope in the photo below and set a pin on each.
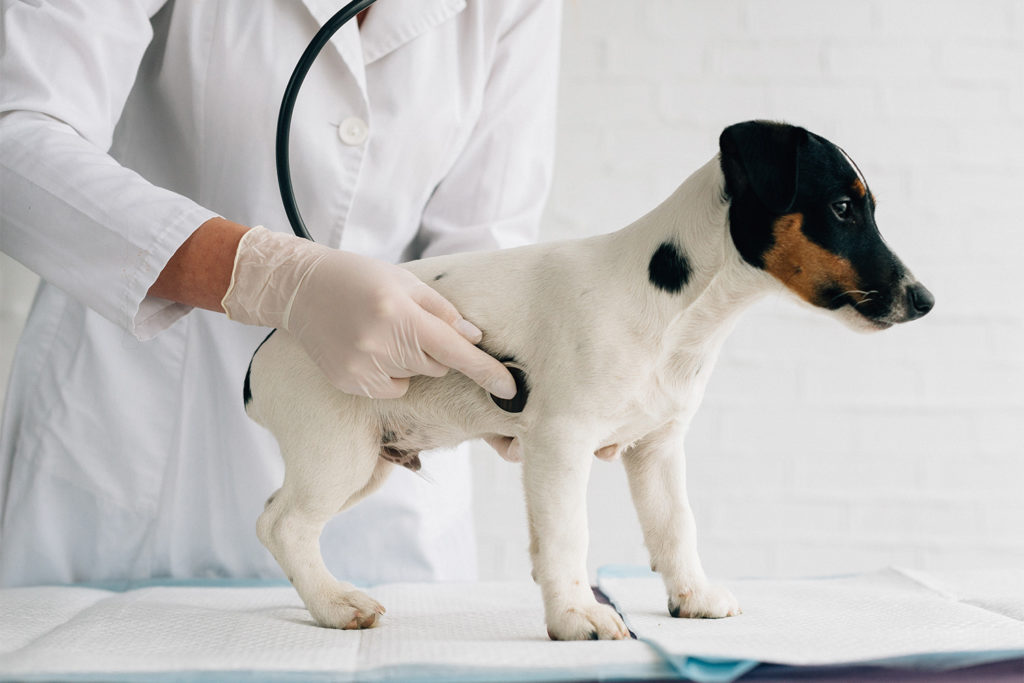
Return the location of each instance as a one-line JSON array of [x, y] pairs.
[[291, 93], [284, 174]]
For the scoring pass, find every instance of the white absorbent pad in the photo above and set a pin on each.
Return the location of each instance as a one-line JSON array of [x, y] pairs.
[[496, 632], [895, 618], [441, 632]]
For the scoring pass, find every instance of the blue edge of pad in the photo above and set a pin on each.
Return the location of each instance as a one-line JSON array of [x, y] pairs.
[[698, 669], [710, 670]]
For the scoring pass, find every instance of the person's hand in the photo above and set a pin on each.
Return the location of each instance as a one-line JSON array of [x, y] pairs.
[[367, 324]]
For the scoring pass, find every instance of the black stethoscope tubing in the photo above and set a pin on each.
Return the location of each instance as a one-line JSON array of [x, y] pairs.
[[291, 93]]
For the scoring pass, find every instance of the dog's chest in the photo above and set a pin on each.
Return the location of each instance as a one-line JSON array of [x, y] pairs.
[[651, 411]]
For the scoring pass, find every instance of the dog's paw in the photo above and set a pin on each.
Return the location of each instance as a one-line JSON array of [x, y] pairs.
[[707, 601], [349, 609], [587, 622]]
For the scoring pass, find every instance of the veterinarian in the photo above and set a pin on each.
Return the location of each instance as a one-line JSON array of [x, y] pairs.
[[136, 152]]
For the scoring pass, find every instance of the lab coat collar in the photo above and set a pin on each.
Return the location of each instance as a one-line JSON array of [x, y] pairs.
[[389, 25], [392, 23]]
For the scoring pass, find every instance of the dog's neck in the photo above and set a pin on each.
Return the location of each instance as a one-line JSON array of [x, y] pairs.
[[690, 323]]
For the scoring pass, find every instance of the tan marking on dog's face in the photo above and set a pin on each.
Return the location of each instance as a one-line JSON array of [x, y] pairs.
[[858, 189], [803, 266]]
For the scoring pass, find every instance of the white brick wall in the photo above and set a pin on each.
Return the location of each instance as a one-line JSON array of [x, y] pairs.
[[817, 450]]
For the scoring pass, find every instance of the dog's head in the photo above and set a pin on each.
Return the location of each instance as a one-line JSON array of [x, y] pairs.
[[801, 210]]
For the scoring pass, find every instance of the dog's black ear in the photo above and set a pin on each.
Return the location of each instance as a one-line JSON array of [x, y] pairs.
[[763, 157]]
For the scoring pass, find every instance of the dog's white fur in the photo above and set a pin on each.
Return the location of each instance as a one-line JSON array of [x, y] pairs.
[[615, 365]]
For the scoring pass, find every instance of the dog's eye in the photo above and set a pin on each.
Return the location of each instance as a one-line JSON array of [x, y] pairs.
[[842, 209]]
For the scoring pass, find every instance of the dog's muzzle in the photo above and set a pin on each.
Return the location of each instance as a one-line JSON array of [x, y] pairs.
[[910, 300], [907, 300]]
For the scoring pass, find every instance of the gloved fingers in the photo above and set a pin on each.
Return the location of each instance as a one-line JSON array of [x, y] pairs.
[[361, 374], [424, 366], [431, 368], [403, 356], [392, 387], [377, 384], [433, 302], [440, 342]]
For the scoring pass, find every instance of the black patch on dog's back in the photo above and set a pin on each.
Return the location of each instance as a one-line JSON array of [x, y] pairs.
[[246, 390], [668, 269]]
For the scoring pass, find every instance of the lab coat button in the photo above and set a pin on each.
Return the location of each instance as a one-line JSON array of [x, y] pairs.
[[353, 131]]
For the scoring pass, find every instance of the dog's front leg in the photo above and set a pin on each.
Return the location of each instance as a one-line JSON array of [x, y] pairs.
[[656, 469], [555, 473]]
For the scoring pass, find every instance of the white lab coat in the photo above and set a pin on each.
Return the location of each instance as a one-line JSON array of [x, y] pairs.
[[125, 451]]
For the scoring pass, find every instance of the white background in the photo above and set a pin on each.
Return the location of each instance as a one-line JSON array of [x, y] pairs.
[[817, 451]]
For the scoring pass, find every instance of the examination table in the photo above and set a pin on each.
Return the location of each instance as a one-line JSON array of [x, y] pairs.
[[888, 625]]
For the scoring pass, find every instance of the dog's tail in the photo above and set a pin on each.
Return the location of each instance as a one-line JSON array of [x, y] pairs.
[[246, 386]]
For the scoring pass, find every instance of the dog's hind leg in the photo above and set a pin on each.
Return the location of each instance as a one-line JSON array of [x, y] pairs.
[[322, 474], [380, 474]]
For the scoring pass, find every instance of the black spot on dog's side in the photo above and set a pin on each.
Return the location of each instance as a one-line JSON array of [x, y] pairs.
[[669, 270], [246, 389], [517, 403], [439, 276]]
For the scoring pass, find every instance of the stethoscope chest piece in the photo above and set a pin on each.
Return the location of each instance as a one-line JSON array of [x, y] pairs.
[[517, 403]]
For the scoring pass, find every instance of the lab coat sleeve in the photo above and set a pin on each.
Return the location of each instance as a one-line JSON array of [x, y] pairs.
[[495, 193], [69, 211]]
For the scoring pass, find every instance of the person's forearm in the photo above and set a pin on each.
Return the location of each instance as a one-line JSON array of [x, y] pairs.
[[199, 273]]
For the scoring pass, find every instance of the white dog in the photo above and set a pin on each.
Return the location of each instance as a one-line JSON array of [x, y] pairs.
[[612, 340]]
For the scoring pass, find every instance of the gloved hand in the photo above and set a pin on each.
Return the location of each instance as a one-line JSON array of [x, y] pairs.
[[367, 324]]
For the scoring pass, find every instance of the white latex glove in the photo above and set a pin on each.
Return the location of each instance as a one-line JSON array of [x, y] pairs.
[[369, 325]]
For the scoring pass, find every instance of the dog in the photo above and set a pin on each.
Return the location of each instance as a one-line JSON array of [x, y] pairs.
[[611, 340]]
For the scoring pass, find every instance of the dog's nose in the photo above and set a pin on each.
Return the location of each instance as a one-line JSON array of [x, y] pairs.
[[919, 301]]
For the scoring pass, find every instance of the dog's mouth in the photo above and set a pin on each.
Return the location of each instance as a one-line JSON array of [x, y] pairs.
[[879, 324], [860, 321], [865, 307], [863, 310], [874, 310]]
